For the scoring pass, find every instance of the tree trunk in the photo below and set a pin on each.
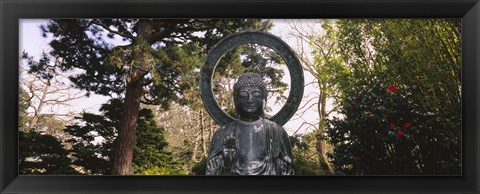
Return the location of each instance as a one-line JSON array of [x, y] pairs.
[[211, 129], [39, 108], [322, 153], [125, 142], [321, 144], [195, 148], [202, 133]]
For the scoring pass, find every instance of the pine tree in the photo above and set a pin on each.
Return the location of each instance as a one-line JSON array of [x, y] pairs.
[[94, 137], [127, 69], [39, 153]]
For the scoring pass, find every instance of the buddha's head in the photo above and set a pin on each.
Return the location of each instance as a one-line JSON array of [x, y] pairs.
[[250, 96]]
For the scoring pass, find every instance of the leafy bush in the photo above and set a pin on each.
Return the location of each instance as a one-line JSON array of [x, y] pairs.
[[94, 137], [42, 154], [199, 168], [305, 156], [383, 131]]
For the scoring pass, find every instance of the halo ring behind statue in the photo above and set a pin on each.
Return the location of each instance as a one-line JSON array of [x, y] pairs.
[[252, 37]]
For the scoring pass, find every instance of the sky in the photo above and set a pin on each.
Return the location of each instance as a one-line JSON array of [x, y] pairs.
[[32, 42]]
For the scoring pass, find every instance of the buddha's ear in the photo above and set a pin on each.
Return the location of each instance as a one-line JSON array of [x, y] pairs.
[[262, 114]]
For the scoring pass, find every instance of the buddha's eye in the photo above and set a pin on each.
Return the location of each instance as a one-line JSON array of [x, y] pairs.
[[256, 94], [244, 94]]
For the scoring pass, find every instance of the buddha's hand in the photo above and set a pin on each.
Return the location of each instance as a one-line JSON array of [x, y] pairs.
[[229, 149]]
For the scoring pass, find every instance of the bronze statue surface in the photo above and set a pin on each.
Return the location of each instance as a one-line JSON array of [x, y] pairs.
[[250, 145]]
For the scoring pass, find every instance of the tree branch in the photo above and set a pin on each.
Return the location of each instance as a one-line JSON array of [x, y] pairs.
[[107, 28], [305, 123]]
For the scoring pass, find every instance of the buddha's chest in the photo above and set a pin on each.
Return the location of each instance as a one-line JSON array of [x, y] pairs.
[[251, 145], [251, 142]]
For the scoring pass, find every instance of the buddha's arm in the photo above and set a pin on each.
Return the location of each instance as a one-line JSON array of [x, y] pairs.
[[218, 155], [284, 161], [220, 161], [214, 161]]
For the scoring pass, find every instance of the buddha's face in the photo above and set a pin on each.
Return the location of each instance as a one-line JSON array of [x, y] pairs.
[[249, 102]]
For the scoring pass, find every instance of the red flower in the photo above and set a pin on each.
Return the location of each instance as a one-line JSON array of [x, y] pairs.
[[407, 125], [400, 133], [392, 126], [392, 89]]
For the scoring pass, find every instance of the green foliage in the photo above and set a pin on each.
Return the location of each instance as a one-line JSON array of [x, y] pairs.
[[23, 105], [149, 156], [385, 132], [162, 170], [199, 168], [94, 158], [421, 57], [305, 157], [327, 67], [93, 140], [306, 167], [420, 52], [158, 64], [42, 154], [84, 44], [176, 72]]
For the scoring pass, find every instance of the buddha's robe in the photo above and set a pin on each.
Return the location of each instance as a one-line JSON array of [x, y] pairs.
[[261, 147]]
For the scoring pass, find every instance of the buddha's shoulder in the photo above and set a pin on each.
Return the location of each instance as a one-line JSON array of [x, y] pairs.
[[271, 123], [275, 127], [225, 128], [268, 121]]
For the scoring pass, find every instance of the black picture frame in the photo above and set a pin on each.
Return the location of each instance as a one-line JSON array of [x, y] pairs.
[[13, 10]]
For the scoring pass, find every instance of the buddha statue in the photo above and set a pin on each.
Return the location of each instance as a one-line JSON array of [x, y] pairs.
[[251, 144]]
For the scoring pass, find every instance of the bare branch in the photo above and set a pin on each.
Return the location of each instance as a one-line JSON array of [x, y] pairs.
[[309, 100], [306, 123]]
